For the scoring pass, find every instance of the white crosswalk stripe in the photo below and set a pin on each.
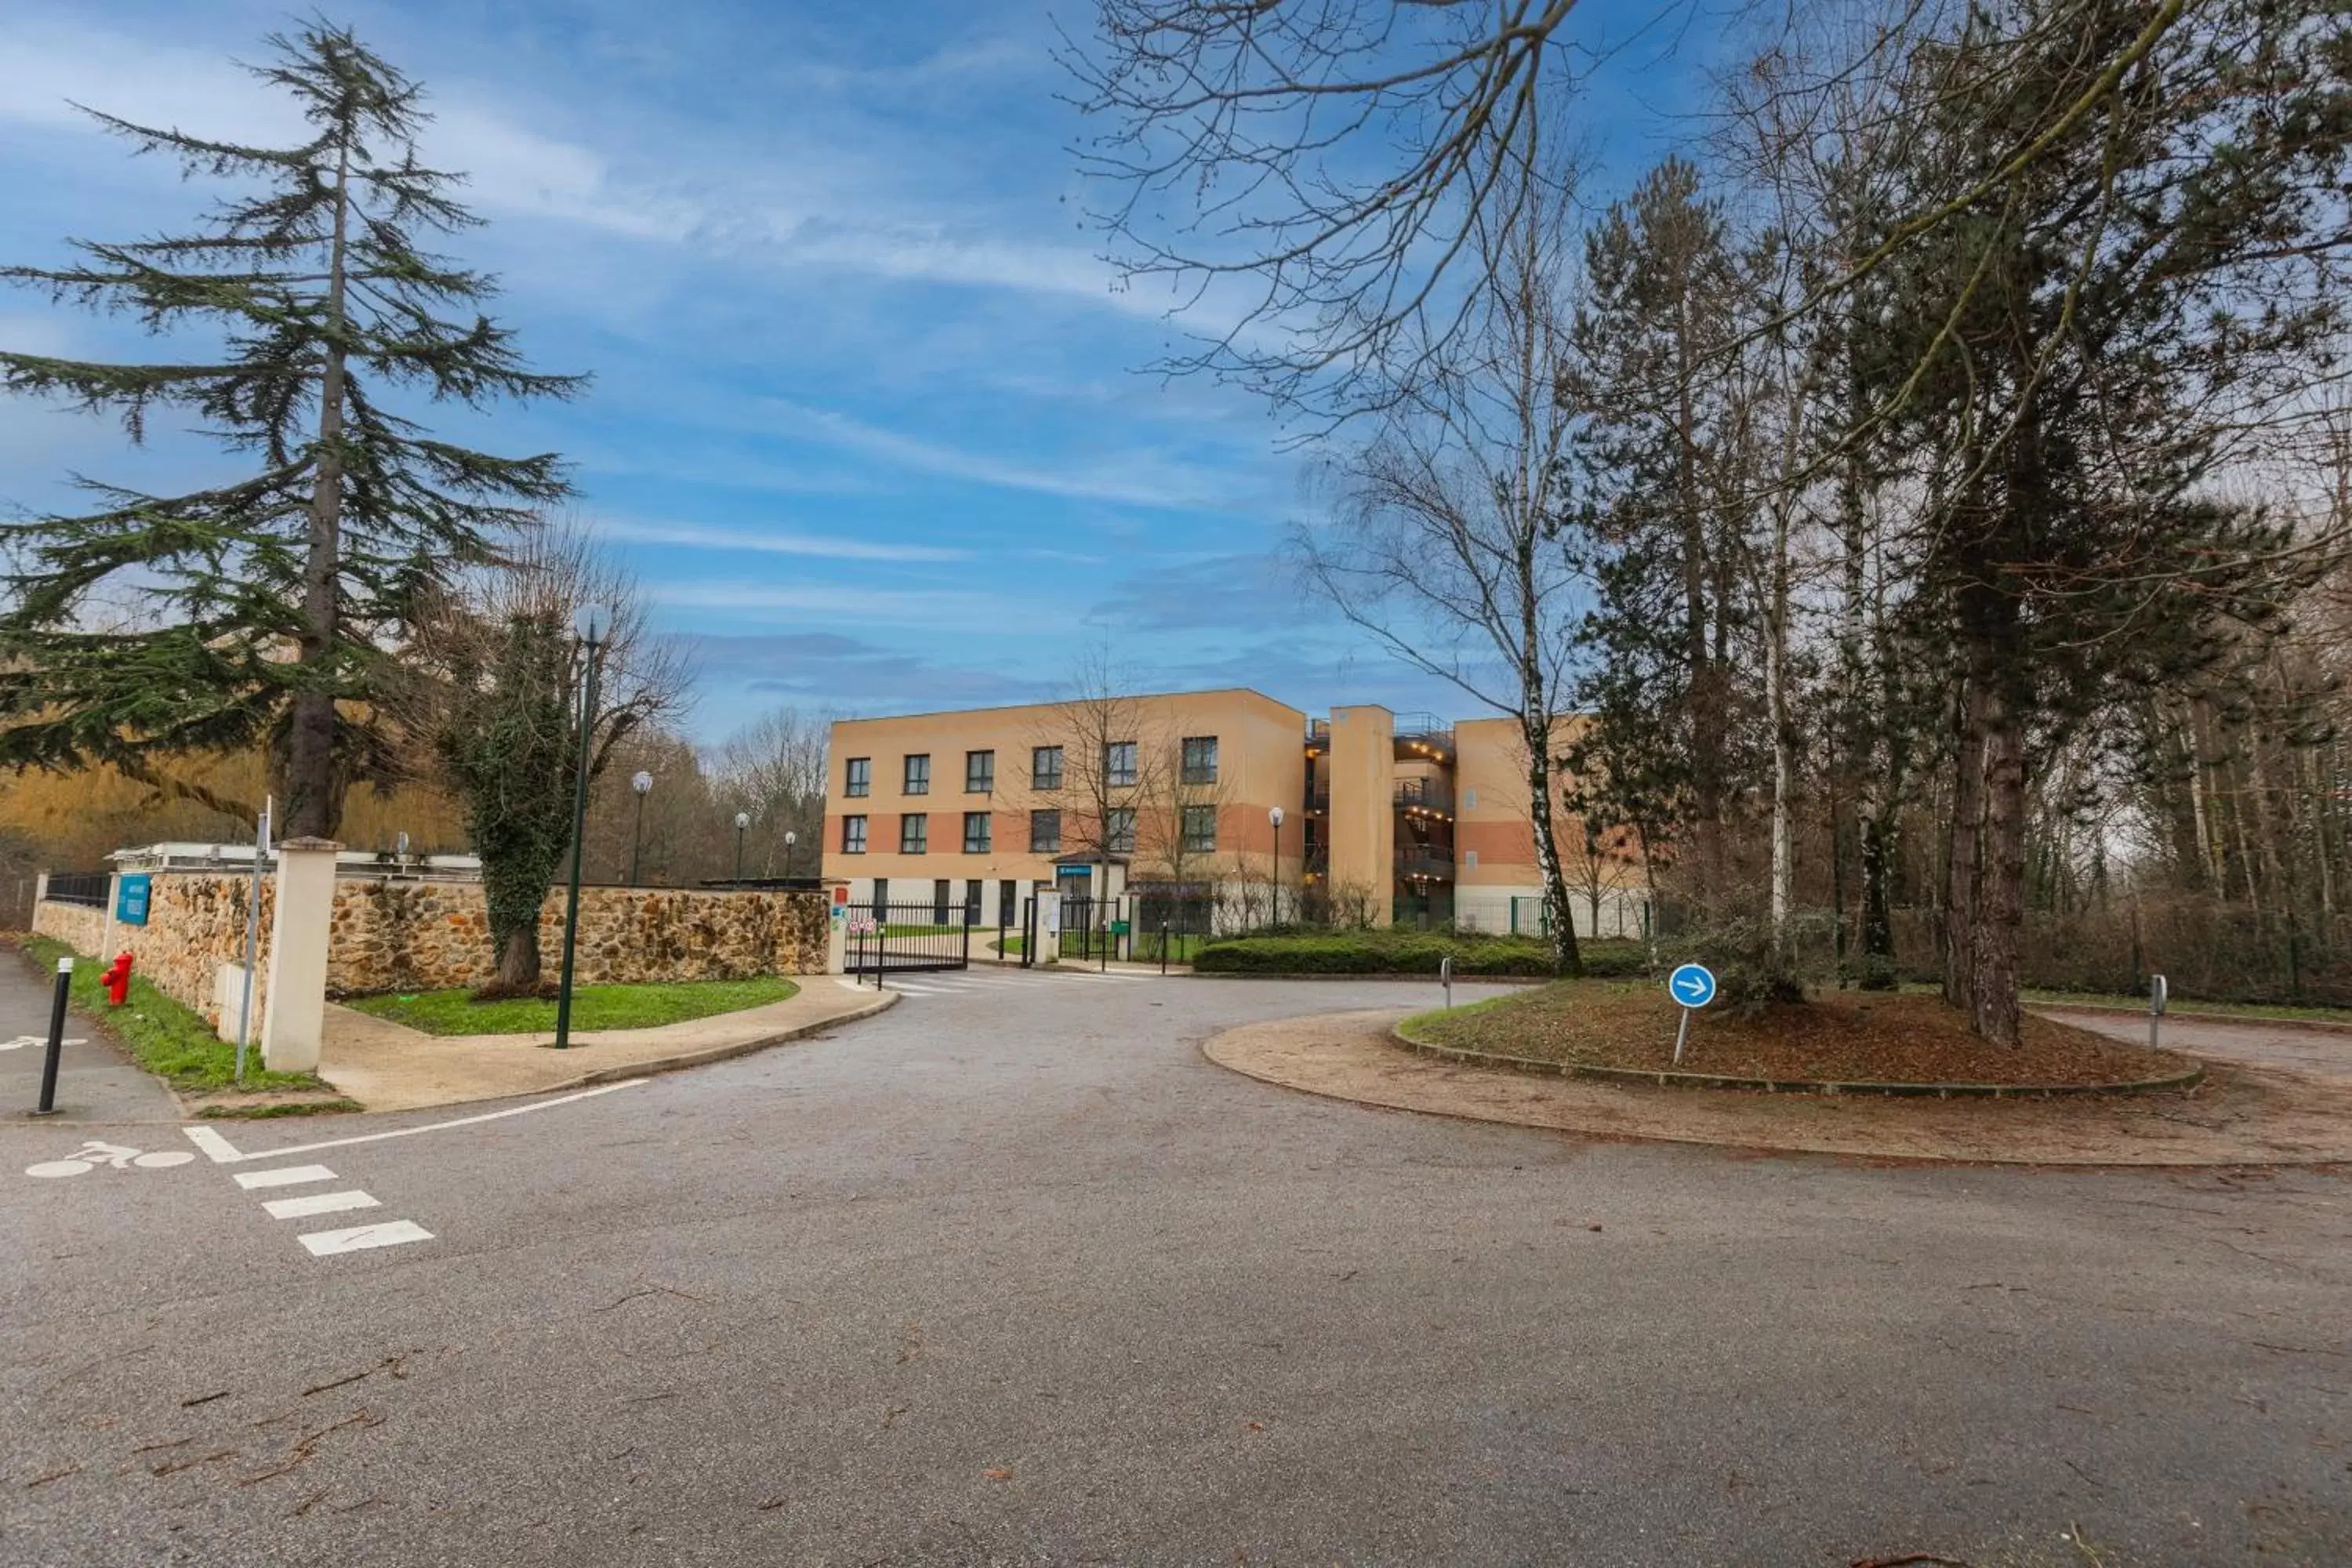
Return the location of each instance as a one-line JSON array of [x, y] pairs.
[[391, 1232]]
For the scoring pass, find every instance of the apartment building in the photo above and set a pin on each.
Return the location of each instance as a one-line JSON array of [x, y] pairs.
[[1381, 816]]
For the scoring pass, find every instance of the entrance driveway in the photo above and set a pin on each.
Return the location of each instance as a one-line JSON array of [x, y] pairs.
[[1012, 1274]]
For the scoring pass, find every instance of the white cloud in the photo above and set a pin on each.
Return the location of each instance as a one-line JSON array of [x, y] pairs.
[[774, 541], [934, 609], [1135, 478]]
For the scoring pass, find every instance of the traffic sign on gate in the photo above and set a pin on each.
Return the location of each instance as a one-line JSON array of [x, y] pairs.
[[1693, 986]]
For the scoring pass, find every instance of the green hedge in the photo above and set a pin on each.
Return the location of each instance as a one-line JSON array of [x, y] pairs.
[[1399, 951]]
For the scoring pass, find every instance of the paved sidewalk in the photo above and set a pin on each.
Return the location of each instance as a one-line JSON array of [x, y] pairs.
[[387, 1067], [96, 1081]]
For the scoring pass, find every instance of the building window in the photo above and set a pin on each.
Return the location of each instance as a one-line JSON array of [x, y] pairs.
[[1470, 860], [1046, 767], [1118, 830], [979, 773], [1469, 800], [914, 833], [971, 902], [881, 894], [1200, 758], [1119, 764], [1044, 833], [918, 773], [941, 892], [858, 781], [1008, 902], [975, 834], [853, 836], [1199, 829]]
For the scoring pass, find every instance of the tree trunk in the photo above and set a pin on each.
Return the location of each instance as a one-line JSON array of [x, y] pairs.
[[1784, 741], [1877, 919], [1535, 730], [518, 971], [312, 799], [1960, 867], [1998, 910]]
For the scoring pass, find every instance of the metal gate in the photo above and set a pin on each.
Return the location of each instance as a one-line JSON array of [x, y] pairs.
[[907, 939]]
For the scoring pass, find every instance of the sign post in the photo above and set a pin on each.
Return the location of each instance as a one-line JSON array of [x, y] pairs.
[[1693, 986]]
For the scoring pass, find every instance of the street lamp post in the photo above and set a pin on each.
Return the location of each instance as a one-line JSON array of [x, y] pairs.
[[791, 838], [1273, 868], [643, 784], [590, 622], [742, 821]]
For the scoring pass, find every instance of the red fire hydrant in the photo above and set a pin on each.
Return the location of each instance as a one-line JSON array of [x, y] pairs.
[[117, 979]]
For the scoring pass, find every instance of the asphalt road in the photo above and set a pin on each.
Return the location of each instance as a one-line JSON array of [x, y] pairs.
[[1011, 1274]]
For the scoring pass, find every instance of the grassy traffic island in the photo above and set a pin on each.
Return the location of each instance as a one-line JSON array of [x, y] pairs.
[[641, 1006], [1398, 950], [1854, 1041]]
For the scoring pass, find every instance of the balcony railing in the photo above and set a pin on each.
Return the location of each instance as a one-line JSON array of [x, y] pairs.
[[1424, 735], [1318, 734], [1422, 866], [1426, 795]]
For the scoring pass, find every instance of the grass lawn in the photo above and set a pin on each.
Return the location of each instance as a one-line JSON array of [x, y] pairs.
[[2178, 1008], [1843, 1036], [171, 1041], [643, 1006]]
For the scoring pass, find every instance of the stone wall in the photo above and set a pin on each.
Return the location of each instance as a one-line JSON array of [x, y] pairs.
[[196, 924], [423, 936]]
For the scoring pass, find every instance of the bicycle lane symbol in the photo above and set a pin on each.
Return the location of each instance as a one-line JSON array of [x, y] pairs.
[[113, 1156]]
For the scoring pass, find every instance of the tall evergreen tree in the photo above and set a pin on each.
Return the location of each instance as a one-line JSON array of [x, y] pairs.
[[256, 611], [1663, 451], [2080, 349]]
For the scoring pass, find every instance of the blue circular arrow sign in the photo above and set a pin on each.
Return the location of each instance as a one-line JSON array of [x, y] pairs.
[[1693, 986]]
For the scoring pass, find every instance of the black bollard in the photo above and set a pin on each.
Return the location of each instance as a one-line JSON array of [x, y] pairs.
[[48, 1105]]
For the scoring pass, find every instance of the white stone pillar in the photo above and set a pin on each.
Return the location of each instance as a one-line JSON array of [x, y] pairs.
[[1049, 927], [294, 1015]]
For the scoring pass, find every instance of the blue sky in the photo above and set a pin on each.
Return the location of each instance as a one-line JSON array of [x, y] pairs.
[[870, 416]]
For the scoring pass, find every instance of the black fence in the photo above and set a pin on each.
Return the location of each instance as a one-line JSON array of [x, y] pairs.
[[87, 889], [904, 939], [1151, 924]]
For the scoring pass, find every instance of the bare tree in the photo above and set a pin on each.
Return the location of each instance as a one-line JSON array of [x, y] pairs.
[[1453, 552], [1183, 796], [1111, 763], [1331, 165], [774, 769], [493, 696]]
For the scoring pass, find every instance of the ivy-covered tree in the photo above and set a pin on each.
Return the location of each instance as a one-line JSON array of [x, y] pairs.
[[492, 690], [257, 611]]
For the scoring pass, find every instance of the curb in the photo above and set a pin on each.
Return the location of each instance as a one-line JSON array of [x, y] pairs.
[[1667, 1079], [708, 1053]]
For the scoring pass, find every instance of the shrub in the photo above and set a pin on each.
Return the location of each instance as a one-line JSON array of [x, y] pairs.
[[1396, 951]]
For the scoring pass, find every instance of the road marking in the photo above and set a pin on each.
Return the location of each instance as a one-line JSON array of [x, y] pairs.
[[391, 1232], [208, 1140], [428, 1127], [318, 1203], [290, 1176]]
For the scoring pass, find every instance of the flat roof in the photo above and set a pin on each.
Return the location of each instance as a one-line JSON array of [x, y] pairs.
[[1061, 701]]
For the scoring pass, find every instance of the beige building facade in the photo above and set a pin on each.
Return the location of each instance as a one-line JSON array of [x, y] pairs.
[[1382, 816]]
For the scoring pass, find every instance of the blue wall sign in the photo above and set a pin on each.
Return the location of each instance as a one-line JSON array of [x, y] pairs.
[[1693, 986], [130, 899]]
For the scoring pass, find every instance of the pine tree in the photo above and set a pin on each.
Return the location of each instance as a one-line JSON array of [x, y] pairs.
[[1662, 451], [2077, 349], [257, 612]]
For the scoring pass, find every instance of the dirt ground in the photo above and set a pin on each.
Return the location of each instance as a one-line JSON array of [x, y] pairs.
[[2244, 1112], [1839, 1037]]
